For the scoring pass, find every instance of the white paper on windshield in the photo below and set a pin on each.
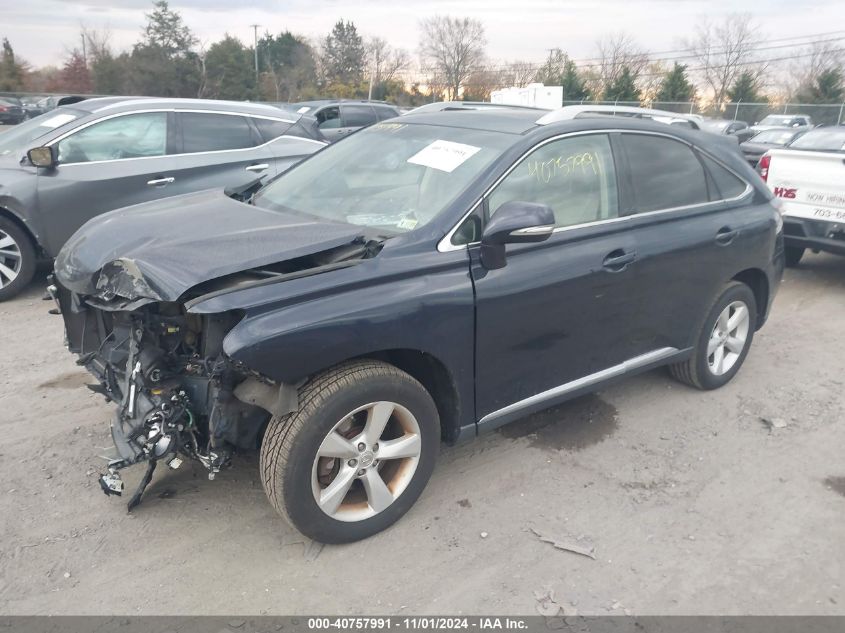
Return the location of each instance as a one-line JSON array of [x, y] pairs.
[[443, 155], [303, 110], [56, 121]]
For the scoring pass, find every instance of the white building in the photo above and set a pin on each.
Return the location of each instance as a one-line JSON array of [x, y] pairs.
[[534, 95]]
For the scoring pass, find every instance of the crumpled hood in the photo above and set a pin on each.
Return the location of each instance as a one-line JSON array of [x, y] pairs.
[[160, 249]]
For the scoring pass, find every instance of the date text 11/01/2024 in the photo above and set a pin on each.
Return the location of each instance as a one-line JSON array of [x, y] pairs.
[[418, 623]]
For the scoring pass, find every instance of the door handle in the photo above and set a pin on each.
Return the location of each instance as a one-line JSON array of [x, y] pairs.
[[160, 182], [618, 260], [726, 235], [260, 167]]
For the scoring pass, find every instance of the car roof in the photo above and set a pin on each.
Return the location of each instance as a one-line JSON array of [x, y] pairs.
[[122, 104], [491, 119]]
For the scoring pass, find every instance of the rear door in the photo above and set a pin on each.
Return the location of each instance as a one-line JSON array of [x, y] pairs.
[[217, 150], [357, 115], [687, 233], [107, 164]]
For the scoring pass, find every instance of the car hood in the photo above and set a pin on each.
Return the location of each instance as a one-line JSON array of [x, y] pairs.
[[159, 250]]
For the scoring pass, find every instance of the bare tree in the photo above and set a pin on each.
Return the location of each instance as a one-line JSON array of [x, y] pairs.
[[519, 73], [385, 61], [616, 53], [723, 51], [815, 60], [452, 48]]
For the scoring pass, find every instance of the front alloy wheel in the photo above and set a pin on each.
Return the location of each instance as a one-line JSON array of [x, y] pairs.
[[355, 456], [366, 461], [17, 259]]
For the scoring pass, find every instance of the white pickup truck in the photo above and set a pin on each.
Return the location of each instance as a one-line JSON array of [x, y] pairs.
[[809, 180]]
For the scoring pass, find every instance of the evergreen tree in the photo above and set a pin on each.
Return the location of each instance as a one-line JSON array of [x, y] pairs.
[[675, 85], [230, 70], [11, 71], [825, 88], [623, 88], [288, 66], [574, 85], [745, 89], [344, 55]]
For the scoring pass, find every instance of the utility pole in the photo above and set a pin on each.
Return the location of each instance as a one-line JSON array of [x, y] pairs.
[[84, 50], [255, 47]]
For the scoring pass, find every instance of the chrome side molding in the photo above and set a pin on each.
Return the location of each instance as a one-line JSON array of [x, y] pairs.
[[579, 383]]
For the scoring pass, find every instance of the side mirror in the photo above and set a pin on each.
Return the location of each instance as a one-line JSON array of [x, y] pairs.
[[514, 223], [43, 156]]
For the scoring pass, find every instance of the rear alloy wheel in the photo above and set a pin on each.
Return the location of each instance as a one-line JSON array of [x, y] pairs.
[[723, 340], [793, 255], [17, 259], [355, 456]]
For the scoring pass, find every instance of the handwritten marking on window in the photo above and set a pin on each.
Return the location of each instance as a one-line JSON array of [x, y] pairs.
[[560, 167]]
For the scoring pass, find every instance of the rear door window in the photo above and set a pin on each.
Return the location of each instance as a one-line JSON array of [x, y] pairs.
[[383, 112], [664, 173], [271, 129], [209, 132], [358, 115], [129, 136]]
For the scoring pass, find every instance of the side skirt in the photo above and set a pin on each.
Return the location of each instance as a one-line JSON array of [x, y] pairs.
[[581, 386]]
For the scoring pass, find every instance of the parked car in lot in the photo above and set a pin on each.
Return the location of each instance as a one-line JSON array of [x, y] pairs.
[[31, 106], [456, 271], [778, 121], [337, 118], [809, 181], [61, 169], [762, 142], [11, 111], [738, 129]]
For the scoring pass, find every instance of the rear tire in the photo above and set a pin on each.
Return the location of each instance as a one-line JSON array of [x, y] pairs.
[[329, 470], [17, 259], [723, 340], [793, 255]]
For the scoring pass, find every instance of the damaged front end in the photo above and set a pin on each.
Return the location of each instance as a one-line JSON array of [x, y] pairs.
[[178, 395]]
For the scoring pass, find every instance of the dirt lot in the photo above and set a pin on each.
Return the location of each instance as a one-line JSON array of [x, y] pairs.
[[694, 504]]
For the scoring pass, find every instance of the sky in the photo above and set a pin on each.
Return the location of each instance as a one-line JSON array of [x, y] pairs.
[[42, 31]]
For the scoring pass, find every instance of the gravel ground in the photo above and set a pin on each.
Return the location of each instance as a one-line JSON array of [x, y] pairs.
[[728, 502]]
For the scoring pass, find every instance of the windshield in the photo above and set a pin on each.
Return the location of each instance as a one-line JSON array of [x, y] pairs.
[[776, 119], [823, 140], [716, 126], [773, 137], [391, 176], [23, 134]]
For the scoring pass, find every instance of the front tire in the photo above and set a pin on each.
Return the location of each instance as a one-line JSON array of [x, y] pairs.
[[17, 259], [356, 455], [793, 255], [723, 340]]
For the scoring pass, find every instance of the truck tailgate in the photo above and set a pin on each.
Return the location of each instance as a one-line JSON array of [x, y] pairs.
[[811, 185]]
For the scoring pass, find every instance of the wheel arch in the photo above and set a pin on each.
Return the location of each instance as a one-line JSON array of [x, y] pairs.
[[10, 215], [757, 280], [432, 374]]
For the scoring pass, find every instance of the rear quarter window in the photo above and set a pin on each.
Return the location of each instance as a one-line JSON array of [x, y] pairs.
[[271, 129], [665, 173], [728, 185]]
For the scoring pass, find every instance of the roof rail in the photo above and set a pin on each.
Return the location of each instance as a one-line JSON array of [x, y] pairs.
[[567, 113]]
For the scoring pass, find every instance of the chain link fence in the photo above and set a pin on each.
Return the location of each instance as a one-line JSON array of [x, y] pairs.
[[827, 114]]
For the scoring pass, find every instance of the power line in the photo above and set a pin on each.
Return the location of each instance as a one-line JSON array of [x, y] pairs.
[[649, 60]]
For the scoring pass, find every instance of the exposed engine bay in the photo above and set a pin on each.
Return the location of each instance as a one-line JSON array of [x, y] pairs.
[[178, 395]]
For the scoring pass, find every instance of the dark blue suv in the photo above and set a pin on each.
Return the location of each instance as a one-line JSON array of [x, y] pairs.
[[425, 280]]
